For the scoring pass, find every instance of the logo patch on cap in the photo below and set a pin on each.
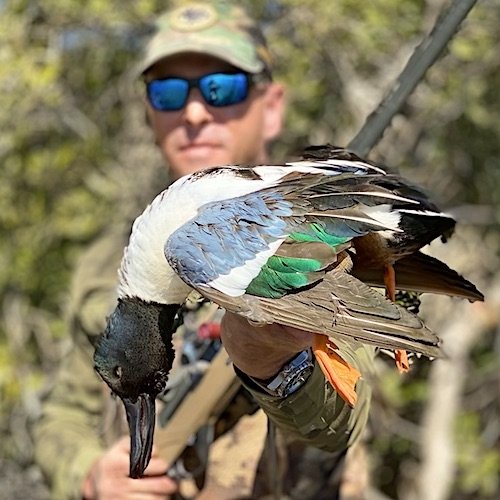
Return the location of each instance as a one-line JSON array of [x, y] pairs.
[[193, 17]]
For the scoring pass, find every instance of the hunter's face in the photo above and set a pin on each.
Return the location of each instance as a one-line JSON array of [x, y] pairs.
[[200, 135]]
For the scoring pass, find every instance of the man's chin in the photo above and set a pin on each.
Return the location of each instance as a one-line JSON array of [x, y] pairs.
[[193, 159]]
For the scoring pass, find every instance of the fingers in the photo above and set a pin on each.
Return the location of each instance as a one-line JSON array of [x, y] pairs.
[[108, 479], [119, 453], [155, 487], [156, 467]]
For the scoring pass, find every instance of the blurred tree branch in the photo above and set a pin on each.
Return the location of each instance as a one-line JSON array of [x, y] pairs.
[[446, 381], [422, 58]]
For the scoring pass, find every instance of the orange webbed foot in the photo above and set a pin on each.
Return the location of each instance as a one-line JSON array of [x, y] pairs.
[[401, 359], [341, 375], [401, 356]]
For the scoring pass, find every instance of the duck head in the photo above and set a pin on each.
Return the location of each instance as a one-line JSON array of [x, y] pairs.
[[134, 356]]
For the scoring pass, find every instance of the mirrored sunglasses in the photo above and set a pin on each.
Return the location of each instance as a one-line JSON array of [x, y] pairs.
[[217, 89]]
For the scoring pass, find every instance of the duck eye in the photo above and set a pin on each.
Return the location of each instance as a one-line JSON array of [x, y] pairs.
[[118, 371]]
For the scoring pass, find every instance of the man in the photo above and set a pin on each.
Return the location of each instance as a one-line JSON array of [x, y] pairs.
[[210, 101]]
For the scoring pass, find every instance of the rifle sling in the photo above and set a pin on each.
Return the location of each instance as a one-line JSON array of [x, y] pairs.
[[204, 403]]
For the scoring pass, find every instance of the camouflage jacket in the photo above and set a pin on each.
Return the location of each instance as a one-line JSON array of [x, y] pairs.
[[80, 419]]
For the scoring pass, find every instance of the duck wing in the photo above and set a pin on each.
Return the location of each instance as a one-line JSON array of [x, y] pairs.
[[229, 242], [277, 255]]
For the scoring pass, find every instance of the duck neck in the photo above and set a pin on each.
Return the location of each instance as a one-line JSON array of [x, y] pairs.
[[144, 272]]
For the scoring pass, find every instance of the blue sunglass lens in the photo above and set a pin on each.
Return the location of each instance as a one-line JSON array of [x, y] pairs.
[[169, 94], [222, 89], [218, 89]]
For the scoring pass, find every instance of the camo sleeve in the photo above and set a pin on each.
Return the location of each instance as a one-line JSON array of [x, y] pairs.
[[69, 435], [316, 414], [65, 437]]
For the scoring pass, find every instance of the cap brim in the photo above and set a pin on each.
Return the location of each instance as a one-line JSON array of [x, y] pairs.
[[221, 52]]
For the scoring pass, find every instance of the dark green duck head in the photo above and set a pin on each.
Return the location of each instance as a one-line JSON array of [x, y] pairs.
[[134, 356]]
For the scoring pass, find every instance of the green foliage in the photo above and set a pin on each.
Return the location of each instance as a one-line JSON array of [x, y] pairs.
[[479, 463], [401, 392], [73, 141]]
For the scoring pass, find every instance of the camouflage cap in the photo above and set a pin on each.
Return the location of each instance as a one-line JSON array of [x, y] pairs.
[[217, 28]]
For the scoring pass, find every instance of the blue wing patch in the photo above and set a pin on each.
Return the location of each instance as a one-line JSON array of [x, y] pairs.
[[226, 234]]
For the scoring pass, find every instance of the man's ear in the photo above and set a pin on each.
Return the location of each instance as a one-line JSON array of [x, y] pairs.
[[274, 102]]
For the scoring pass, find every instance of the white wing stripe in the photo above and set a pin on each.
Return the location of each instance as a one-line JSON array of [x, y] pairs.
[[236, 282], [425, 212], [373, 220], [368, 193]]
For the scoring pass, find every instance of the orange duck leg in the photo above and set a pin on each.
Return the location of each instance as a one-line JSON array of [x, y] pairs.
[[401, 356], [341, 375]]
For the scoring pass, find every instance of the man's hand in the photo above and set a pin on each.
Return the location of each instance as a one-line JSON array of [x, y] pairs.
[[261, 351], [108, 478]]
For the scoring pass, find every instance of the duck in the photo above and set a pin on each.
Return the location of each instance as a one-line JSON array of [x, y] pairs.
[[308, 244]]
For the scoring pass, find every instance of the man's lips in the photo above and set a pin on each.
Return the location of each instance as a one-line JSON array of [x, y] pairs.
[[197, 151], [198, 145]]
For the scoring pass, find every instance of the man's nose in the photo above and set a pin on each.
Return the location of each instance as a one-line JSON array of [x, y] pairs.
[[196, 111]]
